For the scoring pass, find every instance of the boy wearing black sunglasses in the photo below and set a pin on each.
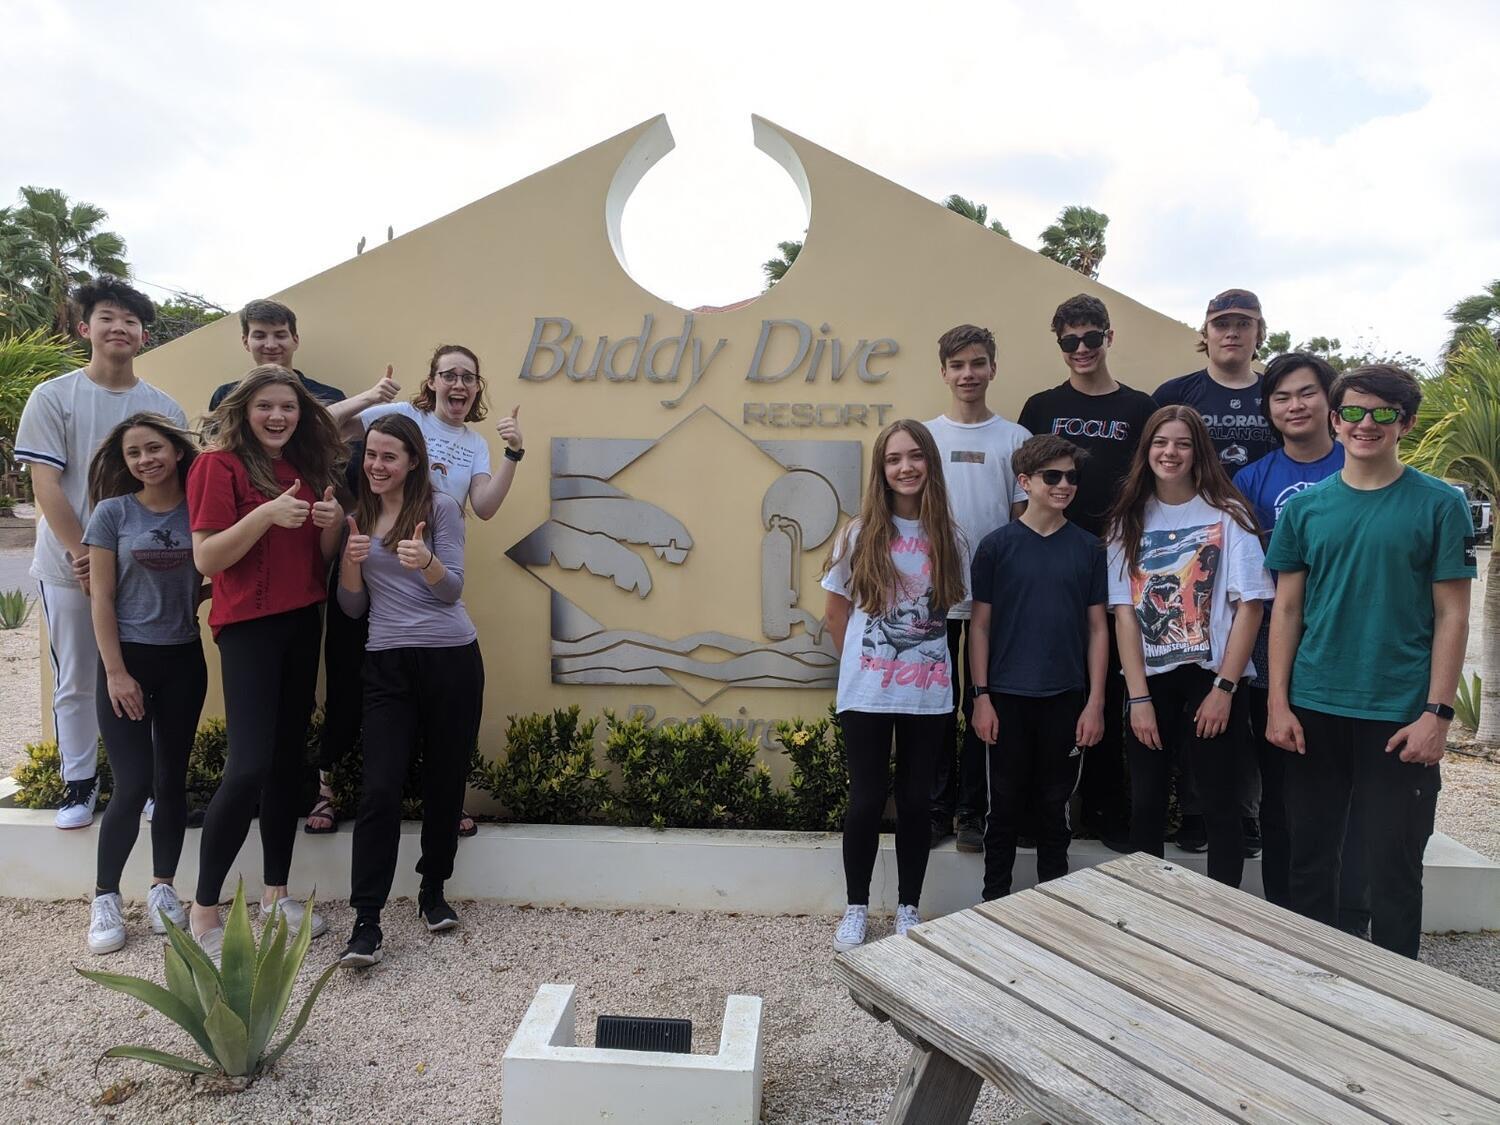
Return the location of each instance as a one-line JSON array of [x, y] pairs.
[[1103, 417], [1039, 643], [1367, 641]]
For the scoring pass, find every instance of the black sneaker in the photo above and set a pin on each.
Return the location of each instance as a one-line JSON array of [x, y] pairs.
[[970, 838], [940, 832], [435, 910], [1193, 835], [363, 949], [1252, 837]]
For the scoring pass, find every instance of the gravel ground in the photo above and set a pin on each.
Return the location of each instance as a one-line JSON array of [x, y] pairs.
[[20, 690]]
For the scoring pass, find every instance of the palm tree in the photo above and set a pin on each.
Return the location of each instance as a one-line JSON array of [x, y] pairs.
[[977, 212], [1076, 239], [73, 248], [1482, 310], [22, 308], [776, 268], [26, 360], [1457, 437]]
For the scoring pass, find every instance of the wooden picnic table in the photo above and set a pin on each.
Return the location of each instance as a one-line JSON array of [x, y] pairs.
[[1140, 991]]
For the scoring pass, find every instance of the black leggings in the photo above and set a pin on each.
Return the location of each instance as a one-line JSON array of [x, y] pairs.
[[867, 745], [343, 657], [434, 695], [149, 756], [1175, 695], [270, 667]]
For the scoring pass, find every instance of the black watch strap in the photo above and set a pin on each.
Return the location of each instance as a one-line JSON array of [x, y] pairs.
[[976, 690], [1441, 710], [514, 454]]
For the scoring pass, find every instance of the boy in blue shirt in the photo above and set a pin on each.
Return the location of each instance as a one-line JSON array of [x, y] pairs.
[[1295, 389], [1367, 641], [1039, 647]]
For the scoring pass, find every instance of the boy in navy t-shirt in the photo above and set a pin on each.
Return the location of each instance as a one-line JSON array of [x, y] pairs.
[[1039, 638]]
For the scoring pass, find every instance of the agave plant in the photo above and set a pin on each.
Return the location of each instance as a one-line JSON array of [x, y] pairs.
[[231, 1012], [15, 608]]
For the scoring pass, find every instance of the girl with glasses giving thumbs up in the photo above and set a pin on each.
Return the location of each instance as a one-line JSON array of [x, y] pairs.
[[424, 679]]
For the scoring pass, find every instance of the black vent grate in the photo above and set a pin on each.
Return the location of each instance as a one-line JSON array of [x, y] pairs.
[[644, 1033]]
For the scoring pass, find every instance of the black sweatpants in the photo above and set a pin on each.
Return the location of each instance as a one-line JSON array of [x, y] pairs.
[[867, 746], [1103, 792], [150, 755], [1175, 695], [958, 784], [343, 691], [431, 695], [1275, 856], [270, 668], [1034, 766], [1346, 765]]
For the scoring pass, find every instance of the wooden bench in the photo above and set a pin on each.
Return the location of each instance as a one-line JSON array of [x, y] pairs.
[[1139, 991]]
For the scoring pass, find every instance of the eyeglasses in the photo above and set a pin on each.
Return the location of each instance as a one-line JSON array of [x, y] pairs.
[[1234, 323], [451, 376], [1385, 415], [1054, 477], [1090, 340]]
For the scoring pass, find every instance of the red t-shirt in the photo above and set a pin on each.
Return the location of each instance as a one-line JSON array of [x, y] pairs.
[[283, 571]]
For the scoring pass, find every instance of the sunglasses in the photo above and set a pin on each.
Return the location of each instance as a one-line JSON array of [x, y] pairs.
[[1090, 340], [1054, 477], [1385, 415]]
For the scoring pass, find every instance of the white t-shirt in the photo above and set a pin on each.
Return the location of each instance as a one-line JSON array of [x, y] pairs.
[[981, 486], [458, 454], [63, 424], [897, 662], [1195, 560]]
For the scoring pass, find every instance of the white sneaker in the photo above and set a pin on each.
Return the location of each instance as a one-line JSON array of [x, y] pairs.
[[292, 911], [150, 810], [906, 918], [851, 931], [106, 924], [212, 944], [162, 899], [79, 799]]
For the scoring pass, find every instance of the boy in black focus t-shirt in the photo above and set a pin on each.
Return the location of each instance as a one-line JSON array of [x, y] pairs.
[[1038, 634]]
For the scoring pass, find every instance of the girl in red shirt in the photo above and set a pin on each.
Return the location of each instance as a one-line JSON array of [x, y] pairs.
[[265, 526]]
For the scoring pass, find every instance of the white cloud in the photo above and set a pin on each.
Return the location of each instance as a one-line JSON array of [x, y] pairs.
[[241, 152]]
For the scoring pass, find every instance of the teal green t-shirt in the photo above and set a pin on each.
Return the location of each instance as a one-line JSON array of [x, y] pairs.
[[1371, 558]]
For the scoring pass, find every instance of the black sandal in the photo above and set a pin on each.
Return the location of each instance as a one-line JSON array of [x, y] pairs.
[[473, 828], [323, 810]]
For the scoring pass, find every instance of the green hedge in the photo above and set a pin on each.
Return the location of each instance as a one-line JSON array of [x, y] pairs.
[[695, 774]]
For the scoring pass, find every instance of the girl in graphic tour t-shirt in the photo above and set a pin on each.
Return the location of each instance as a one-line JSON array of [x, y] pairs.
[[891, 577]]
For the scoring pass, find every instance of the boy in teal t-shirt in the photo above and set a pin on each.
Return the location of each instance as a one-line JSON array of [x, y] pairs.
[[1367, 641]]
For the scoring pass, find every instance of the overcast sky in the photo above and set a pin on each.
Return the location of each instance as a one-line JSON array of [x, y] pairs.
[[1338, 158]]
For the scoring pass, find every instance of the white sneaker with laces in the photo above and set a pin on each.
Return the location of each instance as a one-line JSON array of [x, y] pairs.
[[851, 931], [906, 918], [212, 944], [79, 799], [106, 924], [292, 911], [162, 899]]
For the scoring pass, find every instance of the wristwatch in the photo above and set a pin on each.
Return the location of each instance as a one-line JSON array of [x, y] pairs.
[[1441, 710], [514, 454], [977, 690], [1225, 685]]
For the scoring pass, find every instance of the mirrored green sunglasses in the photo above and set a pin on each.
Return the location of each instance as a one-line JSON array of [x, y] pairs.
[[1385, 415]]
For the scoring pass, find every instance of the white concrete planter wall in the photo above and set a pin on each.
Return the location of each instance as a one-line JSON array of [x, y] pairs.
[[636, 868]]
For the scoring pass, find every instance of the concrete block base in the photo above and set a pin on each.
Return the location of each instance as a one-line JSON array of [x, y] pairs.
[[547, 1080]]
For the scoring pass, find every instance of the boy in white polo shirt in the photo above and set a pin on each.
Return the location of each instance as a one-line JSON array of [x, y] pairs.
[[976, 445]]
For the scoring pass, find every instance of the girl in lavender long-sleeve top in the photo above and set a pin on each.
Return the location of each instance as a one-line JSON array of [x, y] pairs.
[[424, 680]]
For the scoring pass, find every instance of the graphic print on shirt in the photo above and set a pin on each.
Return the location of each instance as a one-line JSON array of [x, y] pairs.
[[893, 642], [1288, 492], [445, 453], [1173, 591], [169, 552]]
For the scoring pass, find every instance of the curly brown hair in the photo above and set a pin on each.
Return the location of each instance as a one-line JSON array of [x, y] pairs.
[[315, 448], [874, 583], [426, 396]]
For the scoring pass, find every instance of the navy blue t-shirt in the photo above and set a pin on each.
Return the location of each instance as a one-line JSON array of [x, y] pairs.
[[1234, 417], [321, 391], [1039, 589]]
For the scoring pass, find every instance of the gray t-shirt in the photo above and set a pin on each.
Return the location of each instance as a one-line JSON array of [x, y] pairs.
[[62, 425], [156, 583]]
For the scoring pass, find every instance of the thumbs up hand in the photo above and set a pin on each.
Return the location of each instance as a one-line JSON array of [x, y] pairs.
[[288, 511], [386, 389], [357, 546], [509, 429], [326, 512], [413, 553]]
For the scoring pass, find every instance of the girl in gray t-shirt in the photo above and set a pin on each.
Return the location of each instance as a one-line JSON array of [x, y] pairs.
[[152, 677]]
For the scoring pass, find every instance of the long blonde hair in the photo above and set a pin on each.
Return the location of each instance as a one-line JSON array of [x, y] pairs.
[[315, 448], [874, 584]]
